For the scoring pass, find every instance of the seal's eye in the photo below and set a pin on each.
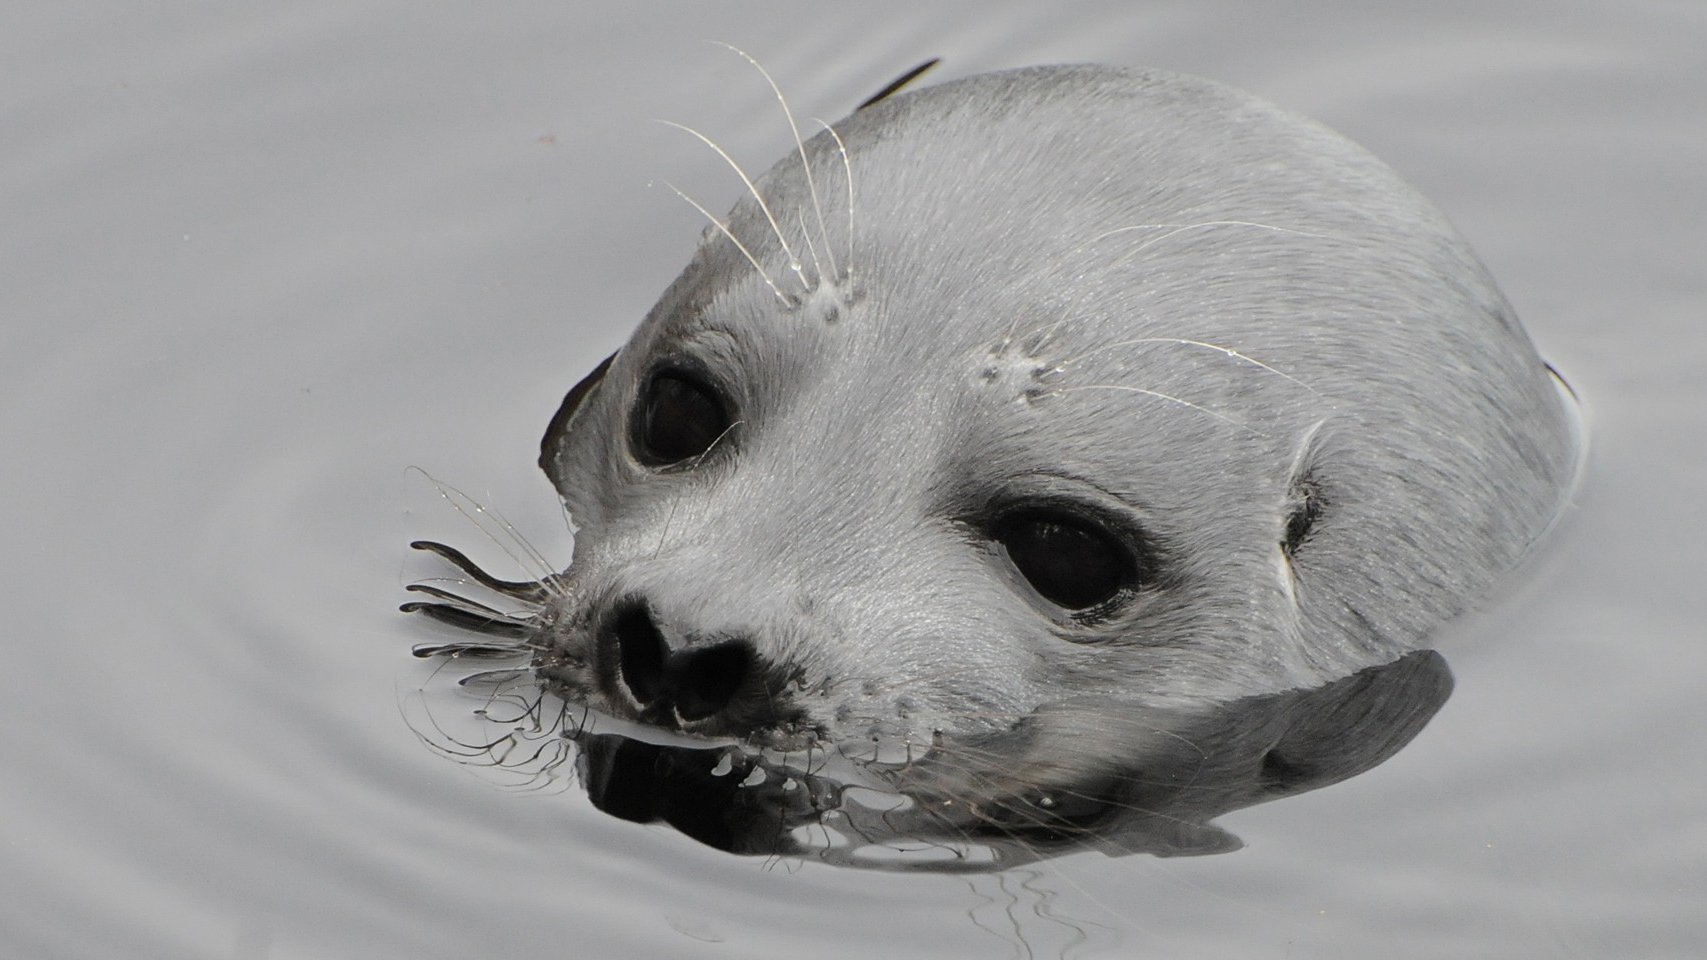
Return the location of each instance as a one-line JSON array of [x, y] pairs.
[[678, 418], [1073, 563]]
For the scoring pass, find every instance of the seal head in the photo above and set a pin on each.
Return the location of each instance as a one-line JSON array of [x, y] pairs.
[[1060, 383]]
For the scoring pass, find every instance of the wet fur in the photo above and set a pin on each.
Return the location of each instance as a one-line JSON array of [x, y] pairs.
[[1131, 291]]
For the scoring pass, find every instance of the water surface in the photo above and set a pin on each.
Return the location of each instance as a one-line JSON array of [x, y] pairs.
[[260, 260]]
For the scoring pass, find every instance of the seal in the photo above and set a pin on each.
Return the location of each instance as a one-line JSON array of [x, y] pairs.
[[1025, 405]]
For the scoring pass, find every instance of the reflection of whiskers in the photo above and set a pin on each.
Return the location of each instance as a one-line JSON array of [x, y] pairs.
[[516, 729]]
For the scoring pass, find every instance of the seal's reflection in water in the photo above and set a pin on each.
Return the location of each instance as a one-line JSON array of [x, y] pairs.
[[991, 803]]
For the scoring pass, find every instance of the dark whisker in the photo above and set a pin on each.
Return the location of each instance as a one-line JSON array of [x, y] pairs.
[[529, 591], [473, 606], [473, 620]]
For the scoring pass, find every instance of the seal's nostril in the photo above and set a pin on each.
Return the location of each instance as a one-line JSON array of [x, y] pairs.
[[643, 654], [707, 679], [698, 680]]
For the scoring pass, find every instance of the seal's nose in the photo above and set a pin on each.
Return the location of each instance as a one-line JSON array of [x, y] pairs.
[[697, 679]]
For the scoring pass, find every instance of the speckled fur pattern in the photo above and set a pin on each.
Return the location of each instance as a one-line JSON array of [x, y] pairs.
[[1141, 292]]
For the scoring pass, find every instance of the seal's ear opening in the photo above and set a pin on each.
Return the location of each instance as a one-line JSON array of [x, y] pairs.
[[1306, 495], [558, 430]]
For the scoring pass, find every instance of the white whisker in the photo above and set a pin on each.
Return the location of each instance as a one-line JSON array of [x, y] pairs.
[[724, 229], [847, 172], [811, 248], [1175, 229], [1159, 396], [1229, 352], [498, 529], [753, 190], [800, 145], [670, 517]]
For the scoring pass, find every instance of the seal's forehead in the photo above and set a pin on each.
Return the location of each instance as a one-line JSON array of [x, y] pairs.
[[1159, 251], [1011, 201]]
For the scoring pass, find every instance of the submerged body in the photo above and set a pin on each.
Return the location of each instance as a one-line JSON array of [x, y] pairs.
[[1028, 404]]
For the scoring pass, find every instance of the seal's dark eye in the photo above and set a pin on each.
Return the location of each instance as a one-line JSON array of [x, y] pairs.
[[1073, 563], [678, 418]]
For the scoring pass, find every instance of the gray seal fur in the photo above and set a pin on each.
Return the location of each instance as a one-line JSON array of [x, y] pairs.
[[1230, 337]]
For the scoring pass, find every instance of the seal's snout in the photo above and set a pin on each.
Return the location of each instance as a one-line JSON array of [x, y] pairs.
[[696, 679]]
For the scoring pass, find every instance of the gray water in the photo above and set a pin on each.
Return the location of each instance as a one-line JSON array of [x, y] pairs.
[[259, 260]]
